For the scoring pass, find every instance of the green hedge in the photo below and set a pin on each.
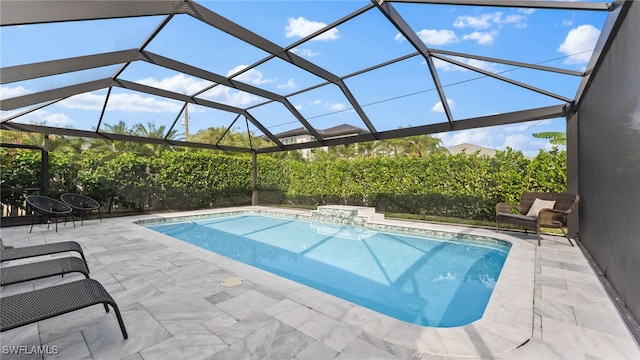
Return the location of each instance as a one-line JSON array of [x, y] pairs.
[[462, 185]]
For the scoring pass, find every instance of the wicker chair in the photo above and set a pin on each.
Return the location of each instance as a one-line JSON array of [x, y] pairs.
[[46, 207], [37, 305], [81, 205], [9, 253], [549, 218]]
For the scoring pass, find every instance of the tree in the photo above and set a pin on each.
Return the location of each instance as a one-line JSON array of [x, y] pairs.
[[423, 145], [555, 137], [369, 149]]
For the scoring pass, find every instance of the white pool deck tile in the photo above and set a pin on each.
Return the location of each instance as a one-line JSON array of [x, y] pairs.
[[547, 304]]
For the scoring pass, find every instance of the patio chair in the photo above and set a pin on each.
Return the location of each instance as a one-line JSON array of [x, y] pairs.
[[48, 208], [42, 269], [8, 253], [537, 210], [33, 306], [81, 205]]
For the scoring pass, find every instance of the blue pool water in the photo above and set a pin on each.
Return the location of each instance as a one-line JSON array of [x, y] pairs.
[[422, 281]]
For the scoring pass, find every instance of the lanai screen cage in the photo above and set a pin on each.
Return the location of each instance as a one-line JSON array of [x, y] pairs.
[[259, 69]]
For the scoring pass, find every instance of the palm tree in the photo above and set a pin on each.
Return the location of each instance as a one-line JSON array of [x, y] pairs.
[[422, 145], [555, 137], [153, 131], [370, 148], [393, 147]]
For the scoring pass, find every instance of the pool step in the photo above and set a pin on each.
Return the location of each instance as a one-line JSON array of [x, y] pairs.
[[344, 214]]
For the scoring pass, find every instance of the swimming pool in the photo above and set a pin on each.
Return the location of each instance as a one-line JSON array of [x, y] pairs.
[[429, 282]]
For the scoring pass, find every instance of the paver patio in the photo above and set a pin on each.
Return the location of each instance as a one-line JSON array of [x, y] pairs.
[[173, 305]]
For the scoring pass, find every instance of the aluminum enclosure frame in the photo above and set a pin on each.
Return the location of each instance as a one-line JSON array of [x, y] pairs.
[[35, 12]]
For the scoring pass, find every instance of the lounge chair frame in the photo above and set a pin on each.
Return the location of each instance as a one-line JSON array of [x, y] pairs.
[[8, 254], [33, 306], [38, 270]]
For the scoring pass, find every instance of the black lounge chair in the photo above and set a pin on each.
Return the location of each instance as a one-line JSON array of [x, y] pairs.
[[8, 254], [81, 205], [33, 306], [42, 269], [46, 207]]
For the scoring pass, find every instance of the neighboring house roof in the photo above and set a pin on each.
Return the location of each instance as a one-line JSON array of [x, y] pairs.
[[471, 149], [332, 132]]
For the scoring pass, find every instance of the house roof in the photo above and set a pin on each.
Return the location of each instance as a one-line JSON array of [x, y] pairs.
[[471, 149]]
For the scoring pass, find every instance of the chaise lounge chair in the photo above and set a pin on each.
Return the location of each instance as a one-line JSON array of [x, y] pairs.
[[46, 207], [81, 205], [42, 269], [8, 254], [33, 306]]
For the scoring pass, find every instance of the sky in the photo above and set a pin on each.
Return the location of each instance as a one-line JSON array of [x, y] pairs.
[[399, 95]]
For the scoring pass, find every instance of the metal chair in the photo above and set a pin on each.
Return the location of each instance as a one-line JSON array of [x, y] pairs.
[[81, 205], [48, 208]]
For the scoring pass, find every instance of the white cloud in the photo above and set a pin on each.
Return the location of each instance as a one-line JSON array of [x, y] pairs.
[[179, 83], [526, 143], [304, 52], [8, 92], [301, 27], [86, 101], [484, 65], [227, 95], [337, 106], [487, 20], [518, 21], [290, 84], [481, 137], [579, 44], [328, 105], [136, 102], [41, 117], [482, 38], [436, 37], [446, 66], [251, 76], [56, 119], [483, 21], [439, 108]]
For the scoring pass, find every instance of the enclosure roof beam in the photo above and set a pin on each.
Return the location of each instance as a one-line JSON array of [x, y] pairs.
[[509, 62], [398, 21], [175, 96], [46, 11], [608, 33], [550, 112], [54, 67], [55, 94], [109, 136], [203, 74], [531, 4], [505, 79], [229, 27]]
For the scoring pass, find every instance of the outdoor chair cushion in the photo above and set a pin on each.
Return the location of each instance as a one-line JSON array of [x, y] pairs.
[[539, 204]]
